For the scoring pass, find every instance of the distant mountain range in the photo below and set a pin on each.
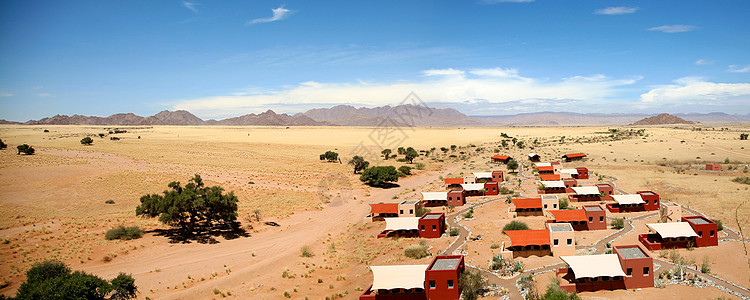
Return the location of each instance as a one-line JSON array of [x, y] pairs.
[[663, 119], [402, 115]]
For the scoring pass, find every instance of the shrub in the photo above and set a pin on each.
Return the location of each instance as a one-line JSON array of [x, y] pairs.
[[46, 130], [419, 166], [421, 211], [86, 141], [515, 225], [110, 201], [405, 169], [719, 224], [329, 156], [416, 251], [504, 190], [55, 280], [3, 145], [618, 223], [706, 265], [454, 231], [563, 203], [494, 246], [25, 149], [124, 233], [472, 284], [469, 214], [114, 138], [306, 251], [743, 180]]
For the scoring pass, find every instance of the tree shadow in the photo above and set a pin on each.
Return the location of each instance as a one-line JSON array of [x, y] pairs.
[[203, 235]]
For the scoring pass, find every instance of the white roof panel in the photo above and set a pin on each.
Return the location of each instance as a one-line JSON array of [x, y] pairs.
[[586, 190], [435, 196], [628, 199], [404, 223], [543, 164], [398, 277], [553, 183], [589, 266], [673, 230], [473, 186], [569, 171], [482, 174], [532, 154]]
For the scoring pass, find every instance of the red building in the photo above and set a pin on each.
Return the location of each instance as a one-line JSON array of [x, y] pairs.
[[454, 198], [525, 243], [713, 167], [651, 199], [528, 206], [606, 190], [642, 201], [379, 211], [453, 183], [583, 173], [491, 188], [552, 187], [573, 156], [494, 176], [500, 159], [498, 176], [431, 225], [693, 231], [438, 280], [546, 169], [478, 189], [569, 183], [590, 217], [628, 267]]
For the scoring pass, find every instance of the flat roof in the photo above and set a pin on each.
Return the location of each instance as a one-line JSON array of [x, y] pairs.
[[482, 174], [590, 266], [398, 277], [632, 252], [586, 190], [560, 227], [528, 237], [550, 177], [553, 183], [541, 164], [569, 215], [629, 199], [647, 193], [473, 186], [550, 197], [431, 216], [673, 230], [445, 264], [383, 208], [503, 157], [593, 208], [435, 196], [453, 180], [527, 202], [575, 155], [568, 171], [405, 223], [410, 202], [699, 221]]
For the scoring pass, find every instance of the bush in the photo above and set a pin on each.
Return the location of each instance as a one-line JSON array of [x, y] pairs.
[[743, 180], [494, 246], [504, 190], [719, 224], [86, 141], [417, 251], [454, 231], [406, 170], [420, 166], [114, 138], [25, 149], [421, 211], [306, 251], [515, 225], [469, 214], [618, 223], [124, 233], [563, 203], [3, 145], [378, 176], [472, 284], [329, 156], [54, 280], [110, 201]]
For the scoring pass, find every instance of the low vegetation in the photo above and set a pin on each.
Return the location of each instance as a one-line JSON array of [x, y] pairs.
[[3, 145], [421, 211], [563, 203], [25, 149], [124, 233], [515, 225], [55, 280], [719, 224], [87, 141], [506, 267], [617, 223], [406, 170], [454, 231], [306, 251], [742, 179], [417, 251], [472, 284]]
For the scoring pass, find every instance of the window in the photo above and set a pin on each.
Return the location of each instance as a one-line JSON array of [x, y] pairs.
[[434, 227], [450, 198], [450, 284], [700, 233], [645, 271], [545, 206], [713, 233], [554, 206], [629, 272], [422, 227], [432, 284], [591, 219], [601, 219], [656, 202], [411, 211], [402, 211], [555, 242], [570, 242]]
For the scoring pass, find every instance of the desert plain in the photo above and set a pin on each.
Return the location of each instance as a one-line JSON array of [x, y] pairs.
[[52, 203]]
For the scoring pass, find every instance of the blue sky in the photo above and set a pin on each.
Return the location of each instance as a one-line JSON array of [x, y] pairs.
[[224, 59]]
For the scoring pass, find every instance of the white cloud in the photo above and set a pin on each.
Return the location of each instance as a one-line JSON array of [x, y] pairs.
[[447, 86], [3, 94], [616, 10], [695, 90], [443, 72], [45, 95], [739, 69], [278, 15], [191, 6], [704, 62], [673, 28]]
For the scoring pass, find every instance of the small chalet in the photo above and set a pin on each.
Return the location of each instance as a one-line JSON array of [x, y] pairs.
[[431, 225], [552, 187], [549, 177], [379, 211], [500, 159], [670, 212], [494, 176], [585, 193], [454, 197], [528, 206], [556, 239], [453, 183], [642, 201], [628, 267], [573, 156], [480, 189], [438, 280], [713, 167], [545, 168], [590, 217], [534, 157], [694, 231], [550, 202]]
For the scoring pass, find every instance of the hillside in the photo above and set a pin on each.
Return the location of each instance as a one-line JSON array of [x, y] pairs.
[[179, 117], [663, 119], [401, 115]]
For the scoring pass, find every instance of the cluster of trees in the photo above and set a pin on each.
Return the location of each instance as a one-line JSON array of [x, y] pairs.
[[743, 136], [329, 156], [25, 149], [359, 163], [54, 280], [379, 175], [192, 207]]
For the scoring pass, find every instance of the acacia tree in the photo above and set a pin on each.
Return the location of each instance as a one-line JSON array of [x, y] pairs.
[[386, 153], [411, 154], [86, 141], [25, 149], [191, 207], [54, 280], [359, 163], [329, 156], [377, 176], [512, 165]]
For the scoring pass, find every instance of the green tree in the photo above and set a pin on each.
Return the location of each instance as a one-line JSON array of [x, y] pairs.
[[86, 141], [377, 176], [386, 153], [472, 284], [3, 145], [453, 147], [512, 165], [191, 206], [359, 163], [401, 151], [406, 170], [329, 156], [743, 136], [520, 144], [25, 149], [411, 154], [54, 280], [504, 143]]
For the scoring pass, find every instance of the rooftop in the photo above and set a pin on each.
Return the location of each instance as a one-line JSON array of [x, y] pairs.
[[647, 193], [549, 197], [412, 202], [560, 227], [432, 216], [528, 237], [593, 208], [632, 252], [698, 221], [445, 264]]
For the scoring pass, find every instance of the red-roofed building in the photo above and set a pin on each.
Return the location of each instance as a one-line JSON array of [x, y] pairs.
[[546, 169], [590, 217], [431, 225], [500, 159], [549, 177], [573, 156], [525, 243], [438, 280], [453, 183], [628, 267], [528, 206], [695, 231], [379, 211]]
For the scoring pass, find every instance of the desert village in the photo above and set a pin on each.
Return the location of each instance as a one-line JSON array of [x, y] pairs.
[[566, 213]]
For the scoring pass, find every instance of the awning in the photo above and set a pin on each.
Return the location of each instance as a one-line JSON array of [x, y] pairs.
[[568, 171], [590, 266], [398, 277], [500, 157], [473, 186], [404, 223], [574, 155], [450, 181], [482, 174], [569, 215], [672, 230], [628, 199], [553, 184], [586, 190], [549, 177], [528, 237], [384, 208], [526, 203], [543, 164], [435, 196]]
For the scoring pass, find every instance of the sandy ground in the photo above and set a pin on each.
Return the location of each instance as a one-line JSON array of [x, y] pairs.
[[52, 203]]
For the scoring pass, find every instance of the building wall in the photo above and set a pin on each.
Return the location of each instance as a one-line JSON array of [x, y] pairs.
[[470, 179], [617, 208], [670, 212], [583, 173], [441, 278], [497, 176], [562, 248], [529, 212], [407, 210], [596, 220], [570, 182], [713, 167], [491, 188], [705, 238], [638, 278], [651, 199], [432, 228], [369, 294], [584, 198], [552, 204], [457, 198]]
